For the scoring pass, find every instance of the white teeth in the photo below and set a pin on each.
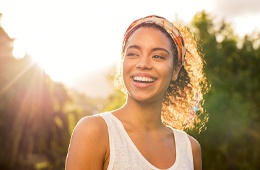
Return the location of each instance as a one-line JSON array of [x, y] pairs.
[[143, 79]]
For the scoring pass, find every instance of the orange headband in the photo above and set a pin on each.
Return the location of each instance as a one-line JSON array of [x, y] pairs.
[[165, 24]]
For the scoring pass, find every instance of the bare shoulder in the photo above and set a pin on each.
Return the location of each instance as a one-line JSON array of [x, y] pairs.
[[194, 144], [88, 125], [88, 144], [89, 128], [196, 152]]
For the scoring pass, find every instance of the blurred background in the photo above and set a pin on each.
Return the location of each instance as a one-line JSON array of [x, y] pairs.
[[57, 60]]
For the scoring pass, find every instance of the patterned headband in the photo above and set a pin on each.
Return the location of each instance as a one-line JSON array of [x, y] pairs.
[[165, 24]]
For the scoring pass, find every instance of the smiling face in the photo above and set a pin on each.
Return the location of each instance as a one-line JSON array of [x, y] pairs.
[[148, 64]]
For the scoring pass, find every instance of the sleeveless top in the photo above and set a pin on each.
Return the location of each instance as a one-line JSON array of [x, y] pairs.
[[124, 155]]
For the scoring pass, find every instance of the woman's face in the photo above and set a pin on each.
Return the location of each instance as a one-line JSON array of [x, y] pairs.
[[148, 64]]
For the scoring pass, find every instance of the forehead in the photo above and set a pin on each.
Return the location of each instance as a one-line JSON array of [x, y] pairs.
[[150, 35]]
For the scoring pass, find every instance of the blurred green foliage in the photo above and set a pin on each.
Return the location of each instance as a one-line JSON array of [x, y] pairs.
[[37, 115], [232, 138]]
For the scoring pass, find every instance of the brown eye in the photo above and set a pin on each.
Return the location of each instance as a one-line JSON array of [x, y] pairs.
[[158, 57], [131, 54]]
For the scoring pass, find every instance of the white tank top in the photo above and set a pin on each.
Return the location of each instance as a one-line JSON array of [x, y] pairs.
[[124, 155]]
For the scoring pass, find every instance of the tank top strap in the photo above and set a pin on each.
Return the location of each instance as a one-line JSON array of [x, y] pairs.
[[111, 130], [183, 147]]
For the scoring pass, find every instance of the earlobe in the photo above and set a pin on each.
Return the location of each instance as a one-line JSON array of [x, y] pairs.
[[176, 72]]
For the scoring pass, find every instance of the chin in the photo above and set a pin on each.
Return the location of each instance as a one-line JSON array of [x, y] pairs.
[[144, 98]]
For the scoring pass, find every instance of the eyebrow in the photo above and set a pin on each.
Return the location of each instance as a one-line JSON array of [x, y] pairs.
[[154, 49]]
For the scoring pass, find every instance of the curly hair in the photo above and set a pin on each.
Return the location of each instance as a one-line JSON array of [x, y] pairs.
[[182, 106]]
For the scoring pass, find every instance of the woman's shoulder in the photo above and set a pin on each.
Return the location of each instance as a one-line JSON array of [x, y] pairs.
[[196, 152], [89, 140], [194, 144], [193, 141], [195, 148], [91, 125], [89, 131]]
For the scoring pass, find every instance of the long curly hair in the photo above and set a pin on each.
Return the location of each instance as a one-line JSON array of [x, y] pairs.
[[182, 106]]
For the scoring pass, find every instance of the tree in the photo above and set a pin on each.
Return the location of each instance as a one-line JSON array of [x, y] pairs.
[[233, 102]]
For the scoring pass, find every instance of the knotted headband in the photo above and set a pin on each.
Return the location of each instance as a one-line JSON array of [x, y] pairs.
[[165, 24]]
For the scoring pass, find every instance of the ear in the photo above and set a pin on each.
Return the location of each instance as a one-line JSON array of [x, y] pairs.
[[176, 71]]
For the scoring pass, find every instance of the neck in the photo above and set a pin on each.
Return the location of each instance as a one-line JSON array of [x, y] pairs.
[[142, 114]]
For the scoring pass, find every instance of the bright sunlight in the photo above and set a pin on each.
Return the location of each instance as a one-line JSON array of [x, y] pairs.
[[69, 38]]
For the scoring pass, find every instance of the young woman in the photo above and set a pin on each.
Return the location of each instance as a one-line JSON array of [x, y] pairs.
[[163, 82]]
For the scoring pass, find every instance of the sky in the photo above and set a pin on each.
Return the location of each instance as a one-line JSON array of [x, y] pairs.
[[70, 38]]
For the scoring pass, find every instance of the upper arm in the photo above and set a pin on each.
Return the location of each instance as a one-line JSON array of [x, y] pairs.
[[88, 145], [196, 152]]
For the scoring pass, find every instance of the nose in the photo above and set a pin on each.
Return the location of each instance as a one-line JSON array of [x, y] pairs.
[[144, 63]]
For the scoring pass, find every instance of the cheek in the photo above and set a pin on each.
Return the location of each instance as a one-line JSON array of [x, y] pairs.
[[127, 65], [168, 73], [166, 70], [125, 69]]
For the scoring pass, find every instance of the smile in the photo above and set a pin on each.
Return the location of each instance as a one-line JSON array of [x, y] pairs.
[[143, 79]]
